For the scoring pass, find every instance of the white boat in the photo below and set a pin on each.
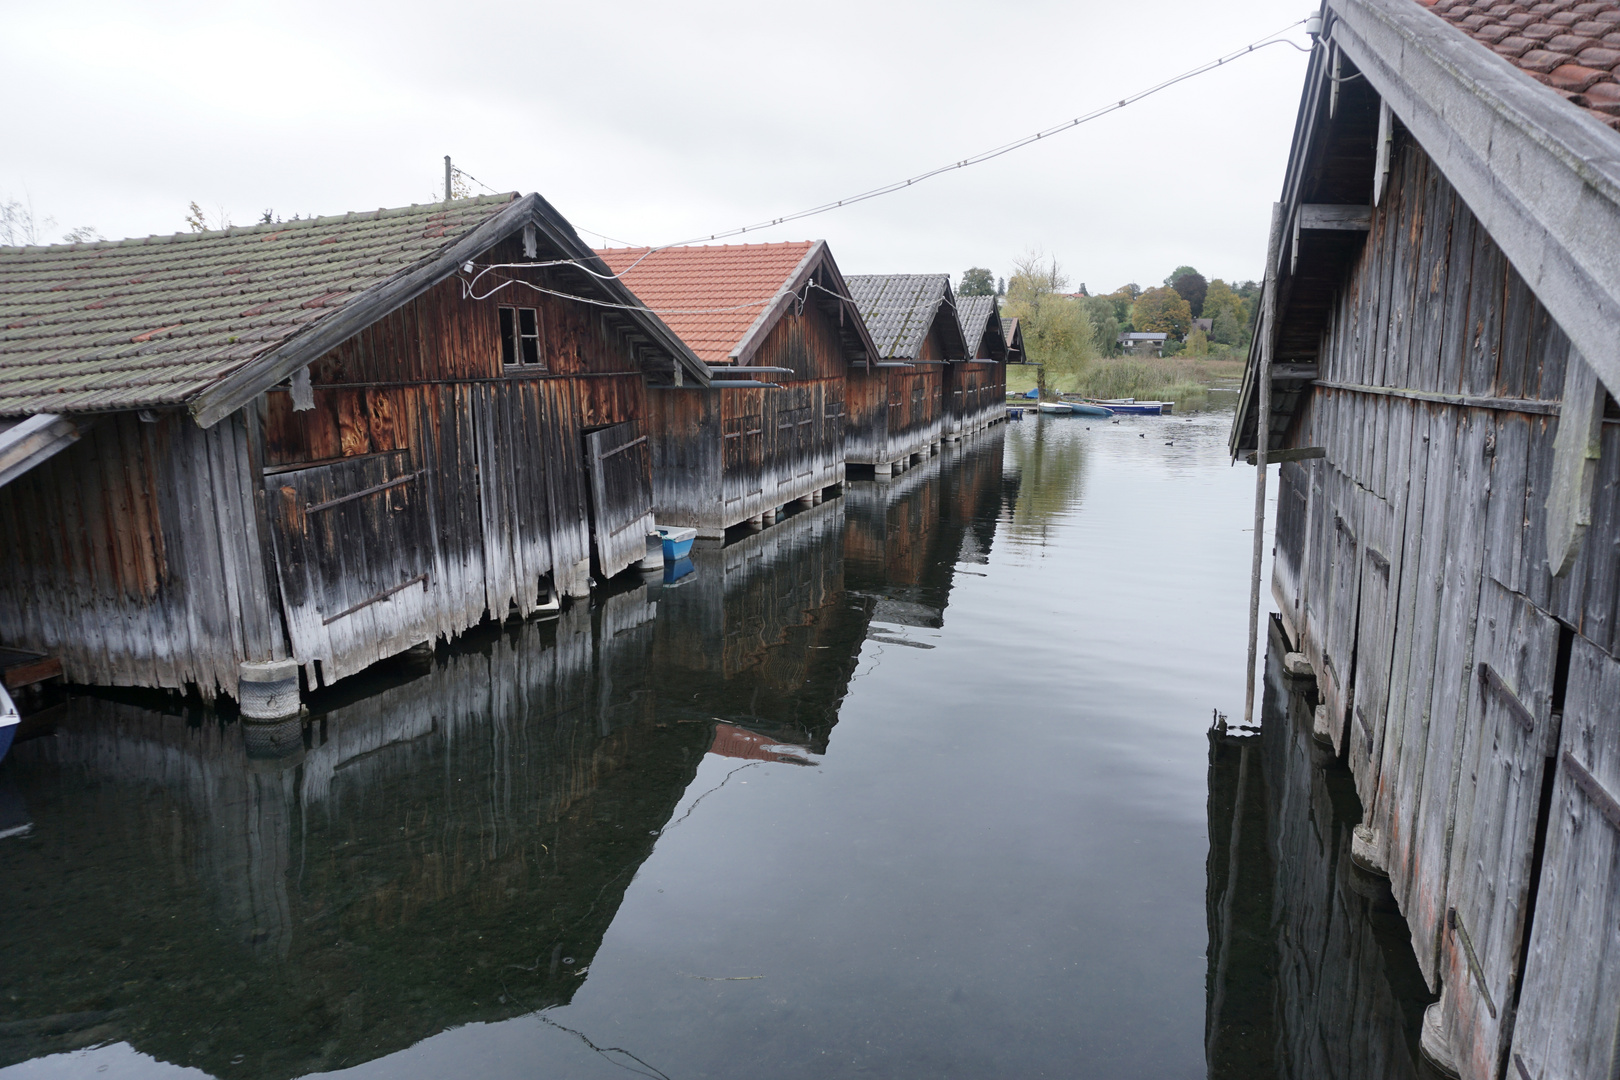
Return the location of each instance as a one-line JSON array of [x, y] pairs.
[[1057, 408], [8, 721]]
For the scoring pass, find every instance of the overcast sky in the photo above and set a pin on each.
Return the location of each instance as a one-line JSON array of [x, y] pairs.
[[657, 122]]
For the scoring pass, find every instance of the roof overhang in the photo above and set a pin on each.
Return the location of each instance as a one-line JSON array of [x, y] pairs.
[[242, 386], [1541, 176]]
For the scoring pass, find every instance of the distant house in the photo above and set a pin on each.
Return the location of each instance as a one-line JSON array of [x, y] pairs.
[[770, 430], [231, 457], [976, 387], [1138, 344], [1206, 325], [895, 402]]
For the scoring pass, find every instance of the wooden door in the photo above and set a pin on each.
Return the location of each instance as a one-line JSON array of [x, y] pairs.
[[619, 463], [1511, 729], [514, 493], [353, 555], [1569, 1022]]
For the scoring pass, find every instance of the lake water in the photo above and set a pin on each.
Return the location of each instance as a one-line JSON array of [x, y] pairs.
[[920, 782]]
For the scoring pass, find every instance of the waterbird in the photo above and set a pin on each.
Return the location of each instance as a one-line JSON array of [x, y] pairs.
[[1141, 435]]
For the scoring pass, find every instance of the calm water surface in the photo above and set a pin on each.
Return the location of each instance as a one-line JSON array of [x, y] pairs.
[[918, 783]]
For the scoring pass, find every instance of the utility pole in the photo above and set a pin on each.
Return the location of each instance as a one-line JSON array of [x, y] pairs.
[[448, 178]]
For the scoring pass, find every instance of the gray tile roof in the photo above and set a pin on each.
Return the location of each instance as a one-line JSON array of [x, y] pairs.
[[899, 308], [152, 322], [974, 313]]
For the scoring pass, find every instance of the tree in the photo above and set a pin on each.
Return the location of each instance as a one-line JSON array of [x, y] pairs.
[[1001, 286], [1162, 311], [84, 234], [977, 281], [1228, 311], [21, 227], [1197, 343], [1191, 287], [199, 220], [1170, 282], [1059, 334]]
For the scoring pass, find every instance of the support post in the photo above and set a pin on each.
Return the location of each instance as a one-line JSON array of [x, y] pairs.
[[1262, 441], [268, 690], [449, 187]]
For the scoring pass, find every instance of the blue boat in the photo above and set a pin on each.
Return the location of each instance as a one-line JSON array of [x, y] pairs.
[[1132, 407], [1085, 408], [677, 542], [8, 722]]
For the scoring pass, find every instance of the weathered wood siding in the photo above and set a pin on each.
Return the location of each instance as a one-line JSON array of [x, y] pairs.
[[721, 457], [497, 512], [895, 413], [975, 395], [1416, 575], [136, 556]]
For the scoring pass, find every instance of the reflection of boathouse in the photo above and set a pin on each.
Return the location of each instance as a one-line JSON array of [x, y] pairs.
[[446, 850], [1310, 970]]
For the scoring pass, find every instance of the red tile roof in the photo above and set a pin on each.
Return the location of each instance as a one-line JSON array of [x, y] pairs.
[[690, 288], [1570, 46]]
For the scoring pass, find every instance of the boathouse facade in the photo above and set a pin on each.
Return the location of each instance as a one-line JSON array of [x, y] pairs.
[[895, 402], [1433, 369], [775, 324], [976, 387], [316, 443]]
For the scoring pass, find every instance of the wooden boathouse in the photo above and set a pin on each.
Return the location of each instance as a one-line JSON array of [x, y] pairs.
[[239, 454], [895, 402], [775, 324], [1433, 370], [1014, 334], [976, 387]]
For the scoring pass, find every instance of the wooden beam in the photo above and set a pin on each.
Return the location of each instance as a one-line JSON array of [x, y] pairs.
[[36, 440], [1576, 450], [1323, 217], [1303, 453], [1294, 372]]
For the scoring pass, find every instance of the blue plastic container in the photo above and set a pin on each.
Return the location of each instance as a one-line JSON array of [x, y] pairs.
[[677, 543]]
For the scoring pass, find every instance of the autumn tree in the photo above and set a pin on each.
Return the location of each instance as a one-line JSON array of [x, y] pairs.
[[1191, 286], [977, 281], [1162, 311]]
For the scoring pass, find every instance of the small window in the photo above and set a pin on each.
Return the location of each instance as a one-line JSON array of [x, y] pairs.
[[520, 337]]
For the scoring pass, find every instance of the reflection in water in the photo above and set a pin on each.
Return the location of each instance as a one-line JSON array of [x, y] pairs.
[[907, 785], [1311, 971], [427, 852]]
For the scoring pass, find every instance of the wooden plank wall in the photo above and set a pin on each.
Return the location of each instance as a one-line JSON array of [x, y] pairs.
[[895, 413], [136, 557], [498, 450], [721, 457], [976, 397], [1416, 575]]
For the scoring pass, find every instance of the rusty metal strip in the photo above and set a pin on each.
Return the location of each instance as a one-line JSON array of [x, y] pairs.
[[363, 492], [1467, 401], [1473, 961], [1605, 802], [622, 447], [1520, 711], [419, 579]]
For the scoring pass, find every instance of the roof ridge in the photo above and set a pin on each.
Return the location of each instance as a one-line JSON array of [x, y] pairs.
[[379, 214]]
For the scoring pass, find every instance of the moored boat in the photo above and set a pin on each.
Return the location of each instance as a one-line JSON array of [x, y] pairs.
[[677, 542], [1086, 408], [9, 719], [1057, 408], [1133, 407]]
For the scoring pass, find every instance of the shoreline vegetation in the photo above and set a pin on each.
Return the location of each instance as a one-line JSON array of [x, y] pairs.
[[1073, 338], [1194, 384]]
